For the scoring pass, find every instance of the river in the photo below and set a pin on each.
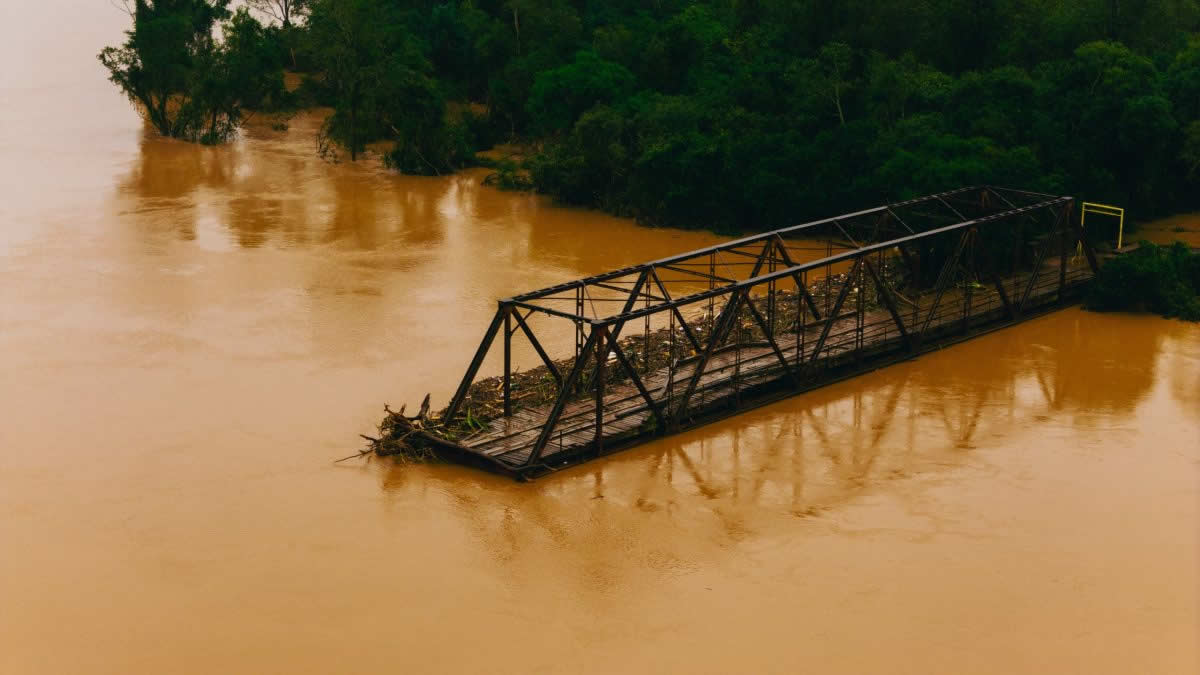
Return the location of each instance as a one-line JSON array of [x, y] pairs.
[[189, 336]]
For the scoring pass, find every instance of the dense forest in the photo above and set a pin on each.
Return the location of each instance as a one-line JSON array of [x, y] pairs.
[[720, 114]]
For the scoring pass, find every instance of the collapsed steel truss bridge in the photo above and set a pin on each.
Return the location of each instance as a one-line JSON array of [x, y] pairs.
[[671, 344]]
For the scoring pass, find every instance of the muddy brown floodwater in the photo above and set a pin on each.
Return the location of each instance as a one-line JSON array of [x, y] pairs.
[[189, 335]]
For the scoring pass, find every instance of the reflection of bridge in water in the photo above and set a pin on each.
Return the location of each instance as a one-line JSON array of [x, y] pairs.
[[921, 420], [733, 326]]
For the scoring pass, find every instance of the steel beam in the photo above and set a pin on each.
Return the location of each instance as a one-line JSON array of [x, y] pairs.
[[473, 369]]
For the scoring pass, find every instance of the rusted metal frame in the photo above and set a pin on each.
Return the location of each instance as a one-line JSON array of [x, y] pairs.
[[747, 254], [508, 312], [883, 227], [943, 282], [766, 255], [840, 257], [771, 292], [472, 370], [1062, 255], [803, 288], [1087, 247], [633, 298], [968, 290], [1037, 272], [947, 205], [877, 224], [537, 347], [607, 338], [928, 198], [547, 310], [837, 307], [602, 346], [560, 401], [853, 243], [571, 285], [1001, 188], [758, 238], [889, 303], [579, 338], [1009, 310], [913, 269], [687, 329], [620, 290], [720, 331], [655, 408], [615, 334], [762, 323], [768, 247], [703, 275], [989, 188], [900, 220]]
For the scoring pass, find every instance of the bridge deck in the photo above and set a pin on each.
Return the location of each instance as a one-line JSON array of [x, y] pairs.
[[732, 374]]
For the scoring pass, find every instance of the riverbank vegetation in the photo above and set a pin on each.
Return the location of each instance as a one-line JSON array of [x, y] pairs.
[[188, 83], [720, 114], [1160, 279]]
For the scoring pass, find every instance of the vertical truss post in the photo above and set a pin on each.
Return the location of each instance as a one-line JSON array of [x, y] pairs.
[[559, 402], [858, 318], [1083, 242], [655, 408], [801, 320], [762, 324], [1062, 255], [890, 304], [722, 327], [508, 331], [770, 327], [579, 338], [944, 278], [832, 315], [537, 346], [472, 370], [712, 283], [802, 285], [1009, 310], [968, 285], [602, 344], [1038, 260], [683, 324]]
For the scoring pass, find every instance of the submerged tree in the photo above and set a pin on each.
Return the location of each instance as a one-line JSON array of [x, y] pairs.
[[188, 84]]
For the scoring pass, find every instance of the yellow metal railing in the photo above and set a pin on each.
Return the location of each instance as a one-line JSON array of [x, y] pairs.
[[1105, 210]]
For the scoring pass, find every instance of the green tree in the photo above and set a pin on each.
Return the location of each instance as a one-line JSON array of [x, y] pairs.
[[830, 76], [559, 96], [188, 84]]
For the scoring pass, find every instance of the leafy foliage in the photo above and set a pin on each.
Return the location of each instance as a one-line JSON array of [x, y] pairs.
[[1163, 280], [757, 113], [749, 114], [188, 84]]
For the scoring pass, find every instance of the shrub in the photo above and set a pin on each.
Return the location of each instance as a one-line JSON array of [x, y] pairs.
[[1159, 279]]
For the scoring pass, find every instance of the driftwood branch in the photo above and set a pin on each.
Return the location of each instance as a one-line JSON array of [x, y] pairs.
[[400, 436]]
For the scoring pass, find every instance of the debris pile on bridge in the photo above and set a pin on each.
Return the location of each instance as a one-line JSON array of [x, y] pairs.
[[535, 387], [415, 439]]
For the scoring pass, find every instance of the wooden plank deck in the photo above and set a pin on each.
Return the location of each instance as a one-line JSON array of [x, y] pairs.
[[733, 372]]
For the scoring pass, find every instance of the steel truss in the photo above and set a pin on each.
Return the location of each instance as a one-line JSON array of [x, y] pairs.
[[993, 249]]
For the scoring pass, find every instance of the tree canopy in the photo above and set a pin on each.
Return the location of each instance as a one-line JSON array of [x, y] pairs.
[[188, 83], [741, 114]]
